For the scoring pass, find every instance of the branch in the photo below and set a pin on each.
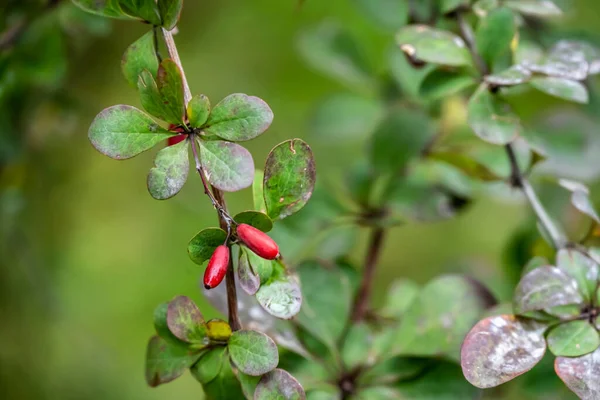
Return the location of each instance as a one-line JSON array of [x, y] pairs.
[[216, 196], [518, 179], [361, 302]]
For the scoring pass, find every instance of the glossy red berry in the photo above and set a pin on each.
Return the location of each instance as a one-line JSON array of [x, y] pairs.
[[217, 267], [175, 139], [258, 241]]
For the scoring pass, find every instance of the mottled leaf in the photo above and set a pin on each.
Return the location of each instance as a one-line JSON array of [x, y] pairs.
[[289, 178], [203, 244], [515, 75], [582, 268], [170, 171], [536, 8], [426, 44], [218, 330], [567, 59], [249, 280], [198, 110], [279, 385], [257, 219], [253, 353], [501, 348], [161, 326], [239, 117], [573, 339], [545, 287], [491, 119], [280, 297], [442, 83], [185, 321], [386, 14], [170, 10], [169, 81], [580, 198], [141, 55], [228, 166], [559, 87], [581, 374], [166, 362], [123, 132], [495, 34]]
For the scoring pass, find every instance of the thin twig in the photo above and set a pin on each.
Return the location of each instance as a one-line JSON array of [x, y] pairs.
[[363, 296], [216, 196]]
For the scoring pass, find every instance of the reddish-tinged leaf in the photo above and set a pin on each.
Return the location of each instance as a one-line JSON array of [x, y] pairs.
[[581, 374]]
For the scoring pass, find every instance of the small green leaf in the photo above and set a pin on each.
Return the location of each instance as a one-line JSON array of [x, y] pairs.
[[264, 268], [582, 268], [386, 14], [545, 287], [401, 294], [258, 197], [447, 6], [203, 244], [469, 166], [225, 385], [248, 384], [248, 279], [169, 81], [536, 8], [491, 119], [442, 380], [562, 88], [356, 346], [147, 10], [161, 326], [573, 339], [239, 117], [252, 352], [198, 110], [333, 52], [141, 55], [209, 365], [169, 11], [580, 198], [281, 296], [279, 385], [256, 219], [105, 8], [170, 171], [218, 330], [426, 44], [185, 321], [393, 370], [150, 96], [567, 59], [515, 75], [166, 362], [228, 166], [441, 83], [484, 7], [123, 132], [289, 178], [495, 34], [580, 374], [498, 349]]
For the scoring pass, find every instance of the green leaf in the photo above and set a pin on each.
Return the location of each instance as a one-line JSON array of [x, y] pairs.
[[536, 8], [442, 381], [279, 385], [170, 171], [248, 279], [289, 178], [166, 362], [567, 59], [491, 119], [400, 139], [401, 294], [256, 219], [248, 383], [436, 323], [161, 326], [105, 8], [333, 52], [144, 9], [495, 34], [264, 268], [327, 298], [447, 6], [582, 268], [258, 197], [169, 81], [515, 75], [426, 44], [393, 370], [253, 353], [209, 365], [442, 83], [346, 116], [573, 339], [228, 166], [141, 55], [198, 110], [239, 117], [185, 321], [281, 296], [169, 11], [123, 132], [534, 263], [203, 244], [483, 7], [501, 348], [468, 165], [580, 198], [545, 287], [562, 88], [580, 374], [356, 346], [225, 385], [150, 96], [386, 14], [218, 330]]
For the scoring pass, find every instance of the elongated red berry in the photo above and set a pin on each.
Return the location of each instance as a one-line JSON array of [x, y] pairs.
[[258, 241], [217, 267], [175, 139]]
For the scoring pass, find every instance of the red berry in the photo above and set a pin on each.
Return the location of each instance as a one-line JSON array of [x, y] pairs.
[[175, 139], [217, 267], [258, 241]]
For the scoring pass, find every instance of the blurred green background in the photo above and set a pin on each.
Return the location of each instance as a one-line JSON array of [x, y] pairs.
[[93, 253]]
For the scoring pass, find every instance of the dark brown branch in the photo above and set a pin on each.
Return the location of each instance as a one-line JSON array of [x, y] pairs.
[[363, 296]]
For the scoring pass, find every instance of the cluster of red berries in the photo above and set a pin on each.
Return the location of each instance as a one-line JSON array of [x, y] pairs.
[[256, 240]]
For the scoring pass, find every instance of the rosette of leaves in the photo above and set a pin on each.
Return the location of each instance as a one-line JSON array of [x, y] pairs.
[[227, 364], [281, 190], [555, 308]]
